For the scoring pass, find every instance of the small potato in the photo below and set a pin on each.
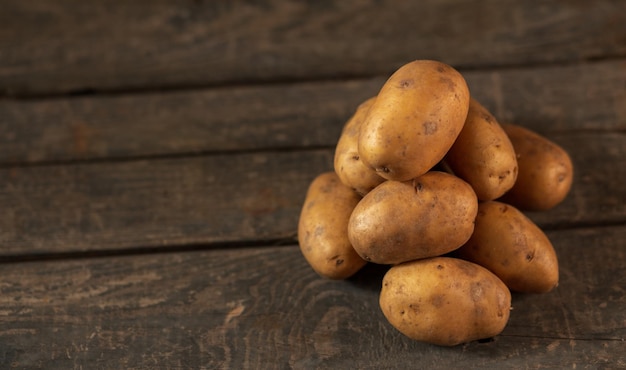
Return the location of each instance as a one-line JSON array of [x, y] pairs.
[[511, 246], [545, 171], [416, 117], [348, 165], [323, 225], [445, 301], [483, 155], [401, 221]]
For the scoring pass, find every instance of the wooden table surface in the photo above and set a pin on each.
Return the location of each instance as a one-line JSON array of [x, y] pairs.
[[154, 156]]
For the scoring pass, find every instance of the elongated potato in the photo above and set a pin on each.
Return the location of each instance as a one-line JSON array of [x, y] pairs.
[[444, 301], [545, 171], [416, 117], [483, 155], [323, 226], [347, 162], [402, 221], [511, 246]]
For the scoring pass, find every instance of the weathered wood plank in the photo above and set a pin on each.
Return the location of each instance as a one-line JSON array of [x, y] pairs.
[[70, 45], [547, 99], [578, 97], [232, 198], [158, 124], [265, 308], [145, 203]]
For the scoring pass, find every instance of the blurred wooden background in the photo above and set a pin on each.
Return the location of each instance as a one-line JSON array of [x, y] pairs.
[[154, 156]]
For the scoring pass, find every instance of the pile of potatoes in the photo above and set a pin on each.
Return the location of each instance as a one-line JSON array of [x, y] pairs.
[[428, 182]]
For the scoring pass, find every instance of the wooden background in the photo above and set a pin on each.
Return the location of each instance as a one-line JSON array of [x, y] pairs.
[[154, 156]]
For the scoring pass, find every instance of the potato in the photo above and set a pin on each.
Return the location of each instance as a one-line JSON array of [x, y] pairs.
[[511, 246], [545, 171], [348, 165], [416, 117], [483, 155], [444, 301], [402, 221], [322, 228]]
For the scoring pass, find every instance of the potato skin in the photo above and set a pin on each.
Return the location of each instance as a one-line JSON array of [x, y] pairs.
[[347, 162], [322, 228], [483, 155], [402, 221], [545, 171], [416, 117], [444, 301], [510, 245]]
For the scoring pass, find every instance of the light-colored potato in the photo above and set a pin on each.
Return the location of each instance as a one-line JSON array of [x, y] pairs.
[[483, 155], [416, 117], [348, 165], [445, 301], [402, 221], [323, 225], [511, 246], [545, 171]]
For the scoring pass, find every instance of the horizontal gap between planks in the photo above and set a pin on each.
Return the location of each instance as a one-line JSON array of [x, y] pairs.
[[164, 156], [139, 251], [289, 242], [283, 81]]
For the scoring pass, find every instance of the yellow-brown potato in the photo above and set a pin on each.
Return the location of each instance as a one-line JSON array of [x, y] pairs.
[[445, 301], [511, 246], [348, 165], [323, 225], [401, 221], [416, 117], [545, 171], [483, 155]]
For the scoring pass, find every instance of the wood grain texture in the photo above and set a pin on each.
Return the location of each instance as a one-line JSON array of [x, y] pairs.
[[265, 308], [586, 96], [232, 198], [287, 116], [303, 115], [138, 204], [70, 45]]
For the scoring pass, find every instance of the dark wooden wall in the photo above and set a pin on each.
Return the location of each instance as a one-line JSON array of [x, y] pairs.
[[154, 156]]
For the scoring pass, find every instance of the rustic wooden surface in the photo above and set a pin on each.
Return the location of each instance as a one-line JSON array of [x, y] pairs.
[[116, 44], [154, 158], [264, 308]]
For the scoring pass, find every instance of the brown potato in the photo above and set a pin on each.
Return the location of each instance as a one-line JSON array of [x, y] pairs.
[[511, 246], [545, 171], [483, 155], [402, 221], [445, 301], [323, 225], [347, 162], [416, 117]]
